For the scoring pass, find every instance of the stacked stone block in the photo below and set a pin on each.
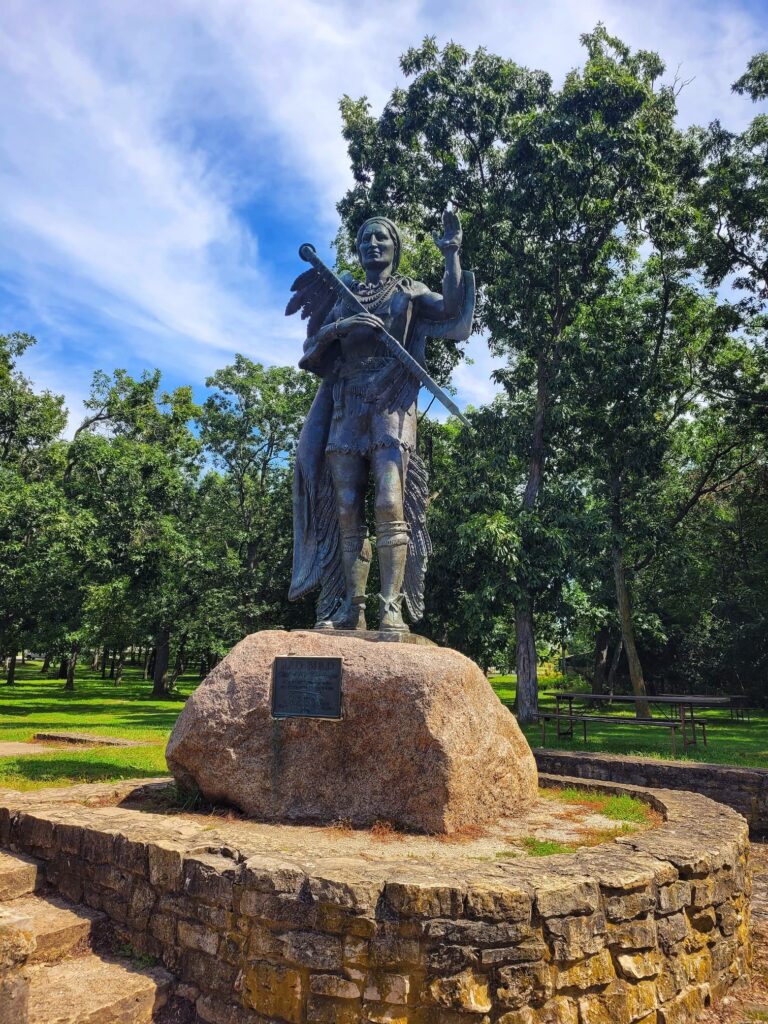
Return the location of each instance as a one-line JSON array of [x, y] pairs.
[[744, 789], [644, 930], [17, 944]]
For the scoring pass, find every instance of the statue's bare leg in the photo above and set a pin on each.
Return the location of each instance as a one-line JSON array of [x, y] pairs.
[[350, 479], [389, 466]]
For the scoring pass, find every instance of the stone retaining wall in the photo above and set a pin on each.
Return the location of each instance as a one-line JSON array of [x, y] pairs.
[[743, 789], [17, 943], [643, 930]]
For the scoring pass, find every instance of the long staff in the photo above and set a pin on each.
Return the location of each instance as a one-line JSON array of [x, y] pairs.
[[309, 254]]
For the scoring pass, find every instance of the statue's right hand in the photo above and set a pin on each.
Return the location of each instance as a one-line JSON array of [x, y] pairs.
[[351, 323]]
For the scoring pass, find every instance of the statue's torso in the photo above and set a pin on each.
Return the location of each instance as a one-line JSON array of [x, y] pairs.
[[363, 419], [363, 343]]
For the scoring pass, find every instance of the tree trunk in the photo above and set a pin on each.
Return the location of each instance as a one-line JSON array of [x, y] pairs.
[[525, 657], [46, 664], [11, 677], [601, 660], [525, 665], [112, 664], [70, 683], [104, 660], [642, 710], [119, 668], [23, 656], [63, 668], [162, 654], [611, 679], [181, 661], [152, 659], [628, 634]]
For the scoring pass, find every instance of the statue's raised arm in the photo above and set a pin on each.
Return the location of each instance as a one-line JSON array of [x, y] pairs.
[[367, 342]]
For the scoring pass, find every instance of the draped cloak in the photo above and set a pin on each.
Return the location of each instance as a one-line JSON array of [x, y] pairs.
[[316, 546]]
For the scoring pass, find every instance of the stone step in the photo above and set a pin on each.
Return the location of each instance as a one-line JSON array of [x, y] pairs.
[[96, 990], [19, 875], [60, 928]]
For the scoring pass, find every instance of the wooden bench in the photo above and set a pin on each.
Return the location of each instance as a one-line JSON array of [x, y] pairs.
[[673, 724], [739, 707]]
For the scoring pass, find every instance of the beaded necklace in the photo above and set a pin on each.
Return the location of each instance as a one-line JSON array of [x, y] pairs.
[[374, 295]]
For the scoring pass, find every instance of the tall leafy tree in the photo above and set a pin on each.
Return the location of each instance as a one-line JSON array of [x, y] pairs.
[[133, 463], [733, 198], [250, 426], [38, 531], [650, 438], [556, 188]]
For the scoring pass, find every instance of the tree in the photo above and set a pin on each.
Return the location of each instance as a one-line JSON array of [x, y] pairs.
[[649, 436], [733, 236], [133, 464], [250, 426], [710, 593], [733, 198], [30, 423], [556, 189], [473, 516], [37, 529]]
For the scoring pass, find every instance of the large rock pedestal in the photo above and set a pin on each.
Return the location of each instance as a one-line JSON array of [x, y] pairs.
[[423, 742]]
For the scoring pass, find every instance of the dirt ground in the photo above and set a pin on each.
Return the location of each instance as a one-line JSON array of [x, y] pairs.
[[551, 826], [750, 1003]]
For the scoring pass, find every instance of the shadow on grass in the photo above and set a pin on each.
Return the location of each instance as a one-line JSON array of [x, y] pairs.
[[65, 769], [33, 715]]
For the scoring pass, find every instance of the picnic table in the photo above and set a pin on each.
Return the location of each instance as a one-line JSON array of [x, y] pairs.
[[681, 707]]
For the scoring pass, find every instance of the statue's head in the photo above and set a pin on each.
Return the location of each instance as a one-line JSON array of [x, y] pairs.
[[378, 244]]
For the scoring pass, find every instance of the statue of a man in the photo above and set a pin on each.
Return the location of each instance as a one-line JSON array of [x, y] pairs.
[[363, 423]]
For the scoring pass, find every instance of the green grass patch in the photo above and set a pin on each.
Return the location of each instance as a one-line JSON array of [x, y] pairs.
[[618, 808], [729, 741], [94, 764], [626, 809], [545, 847], [38, 704]]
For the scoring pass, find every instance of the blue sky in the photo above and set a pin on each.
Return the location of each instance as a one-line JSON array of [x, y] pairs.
[[161, 163]]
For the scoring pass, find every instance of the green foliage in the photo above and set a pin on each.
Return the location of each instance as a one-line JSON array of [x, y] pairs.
[[39, 704], [623, 467], [30, 423], [729, 741], [250, 426], [546, 847], [754, 81], [556, 190]]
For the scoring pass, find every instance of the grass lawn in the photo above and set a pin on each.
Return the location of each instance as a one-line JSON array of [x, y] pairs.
[[728, 741], [36, 704]]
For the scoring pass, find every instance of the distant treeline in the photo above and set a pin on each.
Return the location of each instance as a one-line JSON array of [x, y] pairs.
[[613, 498]]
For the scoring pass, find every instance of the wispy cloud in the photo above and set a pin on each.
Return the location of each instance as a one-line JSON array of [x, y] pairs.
[[160, 163]]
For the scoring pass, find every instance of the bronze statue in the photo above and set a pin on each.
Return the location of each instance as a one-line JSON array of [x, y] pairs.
[[367, 342]]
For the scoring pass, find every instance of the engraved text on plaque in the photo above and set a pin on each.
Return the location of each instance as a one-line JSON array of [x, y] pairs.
[[306, 688]]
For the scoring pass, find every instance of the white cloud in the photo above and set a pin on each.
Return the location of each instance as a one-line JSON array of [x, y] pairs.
[[473, 379], [158, 162]]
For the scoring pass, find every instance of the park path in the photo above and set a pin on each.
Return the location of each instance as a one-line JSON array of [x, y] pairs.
[[760, 885], [750, 1005]]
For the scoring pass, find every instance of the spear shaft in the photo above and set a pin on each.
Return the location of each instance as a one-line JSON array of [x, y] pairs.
[[308, 253]]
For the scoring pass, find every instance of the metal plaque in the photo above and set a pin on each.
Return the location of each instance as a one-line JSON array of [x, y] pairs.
[[306, 688]]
